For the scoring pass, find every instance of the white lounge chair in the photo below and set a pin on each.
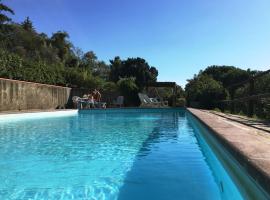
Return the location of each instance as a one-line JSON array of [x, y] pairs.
[[147, 102], [160, 101]]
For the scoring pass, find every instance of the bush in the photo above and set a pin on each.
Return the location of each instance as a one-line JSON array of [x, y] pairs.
[[206, 91], [110, 87], [10, 66], [217, 110], [180, 102], [129, 90], [75, 77], [13, 66]]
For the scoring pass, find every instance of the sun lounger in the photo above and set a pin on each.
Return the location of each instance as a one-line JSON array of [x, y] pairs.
[[148, 102], [163, 103]]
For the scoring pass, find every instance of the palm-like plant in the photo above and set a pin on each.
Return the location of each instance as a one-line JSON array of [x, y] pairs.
[[3, 8]]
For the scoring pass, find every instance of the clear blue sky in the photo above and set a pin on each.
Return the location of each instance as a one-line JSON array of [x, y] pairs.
[[179, 37]]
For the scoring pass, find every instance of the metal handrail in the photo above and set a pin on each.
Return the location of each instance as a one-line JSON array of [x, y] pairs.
[[251, 97]]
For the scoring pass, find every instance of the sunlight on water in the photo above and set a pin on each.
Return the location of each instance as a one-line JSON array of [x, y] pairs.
[[138, 155]]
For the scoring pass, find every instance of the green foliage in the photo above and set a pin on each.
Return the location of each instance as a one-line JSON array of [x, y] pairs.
[[217, 110], [266, 109], [27, 44], [180, 102], [59, 41], [82, 78], [262, 84], [13, 66], [28, 25], [129, 90], [110, 87], [205, 91], [97, 68], [133, 67], [3, 9], [227, 75]]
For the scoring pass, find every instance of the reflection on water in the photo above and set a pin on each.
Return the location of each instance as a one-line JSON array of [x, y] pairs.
[[172, 164], [109, 155]]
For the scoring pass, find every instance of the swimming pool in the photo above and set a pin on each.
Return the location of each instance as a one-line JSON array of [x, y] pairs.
[[120, 154]]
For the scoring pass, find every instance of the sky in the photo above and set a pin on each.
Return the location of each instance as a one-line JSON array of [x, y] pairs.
[[178, 37]]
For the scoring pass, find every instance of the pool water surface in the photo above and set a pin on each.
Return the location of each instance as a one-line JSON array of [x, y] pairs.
[[125, 155]]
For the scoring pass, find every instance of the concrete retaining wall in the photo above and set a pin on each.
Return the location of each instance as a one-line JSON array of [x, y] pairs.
[[21, 95]]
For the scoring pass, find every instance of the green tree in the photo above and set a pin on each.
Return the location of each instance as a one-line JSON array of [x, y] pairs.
[[129, 90], [227, 75], [27, 24], [59, 40], [204, 91], [115, 67], [133, 67], [3, 17], [89, 61]]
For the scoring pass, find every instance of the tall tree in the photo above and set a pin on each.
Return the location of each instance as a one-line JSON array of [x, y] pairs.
[[60, 42], [27, 24], [115, 67], [3, 8], [205, 92], [89, 60], [133, 67], [227, 75]]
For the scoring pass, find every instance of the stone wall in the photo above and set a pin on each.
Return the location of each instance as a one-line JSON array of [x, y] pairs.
[[21, 95]]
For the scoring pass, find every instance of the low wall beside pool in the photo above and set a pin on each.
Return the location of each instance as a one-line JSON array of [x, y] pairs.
[[21, 95]]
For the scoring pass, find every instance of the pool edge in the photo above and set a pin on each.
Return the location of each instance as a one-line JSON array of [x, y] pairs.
[[6, 117], [259, 171]]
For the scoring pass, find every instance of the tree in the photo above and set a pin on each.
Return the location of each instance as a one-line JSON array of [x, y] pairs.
[[227, 75], [205, 92], [28, 25], [115, 67], [102, 70], [133, 67], [129, 90], [60, 41], [89, 61], [4, 18]]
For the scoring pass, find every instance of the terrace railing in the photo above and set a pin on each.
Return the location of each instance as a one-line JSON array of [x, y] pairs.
[[251, 97]]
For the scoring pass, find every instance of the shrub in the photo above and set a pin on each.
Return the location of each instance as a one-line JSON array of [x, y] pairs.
[[180, 102], [129, 90], [13, 66], [206, 91], [76, 77], [110, 87], [217, 110]]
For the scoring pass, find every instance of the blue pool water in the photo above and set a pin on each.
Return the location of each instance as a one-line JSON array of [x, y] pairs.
[[121, 154]]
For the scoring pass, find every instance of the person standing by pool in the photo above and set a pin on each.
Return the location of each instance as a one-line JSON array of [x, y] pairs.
[[97, 95], [91, 101]]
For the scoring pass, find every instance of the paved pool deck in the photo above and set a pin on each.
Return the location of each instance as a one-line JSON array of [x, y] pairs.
[[250, 145], [251, 122]]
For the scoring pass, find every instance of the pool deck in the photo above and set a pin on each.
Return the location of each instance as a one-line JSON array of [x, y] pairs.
[[250, 145], [32, 111]]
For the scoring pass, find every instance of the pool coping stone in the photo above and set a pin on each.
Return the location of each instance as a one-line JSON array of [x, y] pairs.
[[248, 145]]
